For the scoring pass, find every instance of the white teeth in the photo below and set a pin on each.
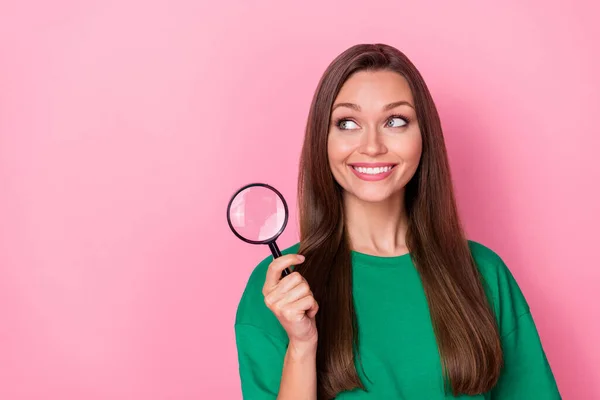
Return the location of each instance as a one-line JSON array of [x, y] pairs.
[[373, 171]]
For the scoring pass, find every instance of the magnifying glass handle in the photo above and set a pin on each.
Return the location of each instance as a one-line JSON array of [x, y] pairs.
[[277, 253]]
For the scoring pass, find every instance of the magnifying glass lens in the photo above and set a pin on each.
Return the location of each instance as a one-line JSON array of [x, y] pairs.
[[257, 214]]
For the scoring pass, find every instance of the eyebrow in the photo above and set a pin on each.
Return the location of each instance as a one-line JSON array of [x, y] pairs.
[[386, 108]]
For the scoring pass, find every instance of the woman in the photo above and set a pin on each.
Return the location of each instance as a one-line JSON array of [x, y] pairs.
[[388, 299]]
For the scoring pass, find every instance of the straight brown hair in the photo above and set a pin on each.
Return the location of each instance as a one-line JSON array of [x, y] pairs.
[[463, 321]]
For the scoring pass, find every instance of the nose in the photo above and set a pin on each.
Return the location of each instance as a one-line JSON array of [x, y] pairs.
[[372, 144]]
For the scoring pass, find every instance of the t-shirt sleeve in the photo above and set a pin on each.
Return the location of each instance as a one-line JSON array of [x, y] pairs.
[[260, 358], [260, 339], [526, 373]]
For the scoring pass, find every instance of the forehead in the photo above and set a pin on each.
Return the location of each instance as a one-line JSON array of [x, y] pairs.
[[375, 88]]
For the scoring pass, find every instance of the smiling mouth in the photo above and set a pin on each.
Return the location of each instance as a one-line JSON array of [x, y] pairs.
[[372, 170]]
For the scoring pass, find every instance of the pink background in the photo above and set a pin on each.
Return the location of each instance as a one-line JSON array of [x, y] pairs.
[[126, 125]]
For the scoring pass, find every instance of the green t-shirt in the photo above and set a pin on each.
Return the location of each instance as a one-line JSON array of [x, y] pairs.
[[398, 350]]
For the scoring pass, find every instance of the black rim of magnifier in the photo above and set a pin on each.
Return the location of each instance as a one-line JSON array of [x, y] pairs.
[[271, 239]]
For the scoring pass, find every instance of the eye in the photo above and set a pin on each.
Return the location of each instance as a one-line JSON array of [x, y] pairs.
[[346, 124], [396, 122]]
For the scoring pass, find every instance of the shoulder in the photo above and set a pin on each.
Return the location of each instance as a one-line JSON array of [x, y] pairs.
[[491, 266], [258, 275], [484, 255], [252, 310], [502, 289]]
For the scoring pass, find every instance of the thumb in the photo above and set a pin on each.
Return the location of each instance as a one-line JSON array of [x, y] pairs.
[[311, 312]]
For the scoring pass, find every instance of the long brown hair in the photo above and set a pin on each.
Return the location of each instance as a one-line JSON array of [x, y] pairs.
[[464, 323]]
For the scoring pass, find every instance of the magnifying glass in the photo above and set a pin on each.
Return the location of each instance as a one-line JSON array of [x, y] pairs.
[[257, 214]]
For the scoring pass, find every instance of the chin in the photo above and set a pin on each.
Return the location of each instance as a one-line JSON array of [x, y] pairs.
[[373, 194]]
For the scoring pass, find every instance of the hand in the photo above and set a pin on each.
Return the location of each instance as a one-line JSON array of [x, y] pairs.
[[292, 301]]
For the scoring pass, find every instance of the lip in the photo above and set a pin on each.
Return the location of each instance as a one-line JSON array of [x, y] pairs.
[[368, 177], [372, 165]]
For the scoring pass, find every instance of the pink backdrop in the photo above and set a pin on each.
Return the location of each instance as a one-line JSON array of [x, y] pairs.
[[125, 126]]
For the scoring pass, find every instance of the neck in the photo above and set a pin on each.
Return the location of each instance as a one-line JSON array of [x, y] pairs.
[[376, 228]]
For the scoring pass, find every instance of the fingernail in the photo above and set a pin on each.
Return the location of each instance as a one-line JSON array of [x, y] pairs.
[[301, 258]]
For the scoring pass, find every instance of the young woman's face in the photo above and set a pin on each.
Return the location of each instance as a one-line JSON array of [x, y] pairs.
[[374, 143]]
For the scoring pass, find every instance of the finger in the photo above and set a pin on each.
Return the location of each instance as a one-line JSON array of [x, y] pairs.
[[307, 304], [277, 266], [296, 293], [289, 282], [312, 311], [280, 290]]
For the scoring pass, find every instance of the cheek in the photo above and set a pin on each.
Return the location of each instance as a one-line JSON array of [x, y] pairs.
[[417, 150], [410, 148], [335, 156], [338, 149]]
